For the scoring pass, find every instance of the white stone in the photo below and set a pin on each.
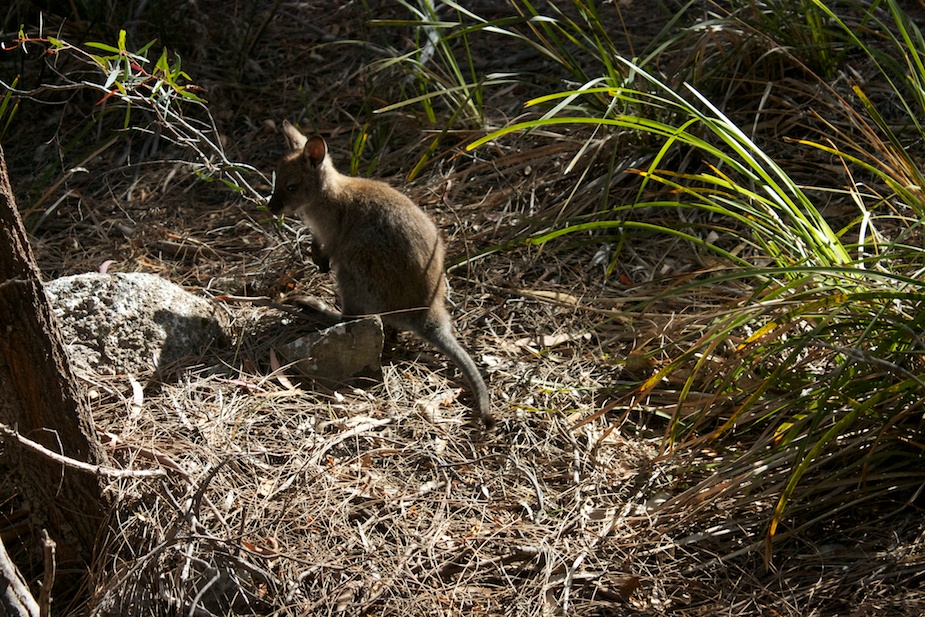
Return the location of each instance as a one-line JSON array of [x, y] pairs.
[[131, 322]]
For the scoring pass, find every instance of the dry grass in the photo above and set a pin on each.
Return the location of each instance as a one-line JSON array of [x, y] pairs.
[[378, 499], [305, 502]]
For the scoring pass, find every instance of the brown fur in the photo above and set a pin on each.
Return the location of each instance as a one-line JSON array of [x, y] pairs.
[[386, 253]]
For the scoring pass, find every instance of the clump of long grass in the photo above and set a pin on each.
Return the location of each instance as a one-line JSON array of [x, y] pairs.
[[814, 377]]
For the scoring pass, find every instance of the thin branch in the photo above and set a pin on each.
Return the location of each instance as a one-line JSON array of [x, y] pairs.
[[48, 582], [99, 470], [15, 597]]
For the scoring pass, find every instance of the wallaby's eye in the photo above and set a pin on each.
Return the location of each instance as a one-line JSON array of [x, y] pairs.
[[292, 188]]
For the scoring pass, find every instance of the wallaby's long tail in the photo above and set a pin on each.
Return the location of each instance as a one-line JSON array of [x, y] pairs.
[[441, 336]]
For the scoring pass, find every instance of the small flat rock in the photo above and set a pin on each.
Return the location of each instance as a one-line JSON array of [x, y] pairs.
[[131, 322], [340, 353]]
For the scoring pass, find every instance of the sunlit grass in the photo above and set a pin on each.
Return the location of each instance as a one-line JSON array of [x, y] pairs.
[[820, 365]]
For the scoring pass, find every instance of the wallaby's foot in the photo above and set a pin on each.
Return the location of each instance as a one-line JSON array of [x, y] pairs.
[[318, 309]]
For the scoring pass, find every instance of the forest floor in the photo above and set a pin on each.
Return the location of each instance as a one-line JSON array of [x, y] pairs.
[[378, 499]]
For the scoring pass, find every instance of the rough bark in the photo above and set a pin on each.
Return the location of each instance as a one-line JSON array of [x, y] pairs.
[[39, 398]]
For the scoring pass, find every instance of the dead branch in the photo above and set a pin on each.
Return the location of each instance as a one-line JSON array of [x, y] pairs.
[[75, 464], [16, 599]]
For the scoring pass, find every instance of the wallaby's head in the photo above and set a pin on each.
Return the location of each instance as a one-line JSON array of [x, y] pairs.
[[301, 173]]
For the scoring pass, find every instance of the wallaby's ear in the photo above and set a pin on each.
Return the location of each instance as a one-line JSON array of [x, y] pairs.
[[314, 151], [294, 139]]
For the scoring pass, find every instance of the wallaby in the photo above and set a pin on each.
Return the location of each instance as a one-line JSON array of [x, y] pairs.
[[386, 253]]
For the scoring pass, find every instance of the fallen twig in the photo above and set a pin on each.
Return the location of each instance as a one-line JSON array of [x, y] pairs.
[[15, 599], [99, 470]]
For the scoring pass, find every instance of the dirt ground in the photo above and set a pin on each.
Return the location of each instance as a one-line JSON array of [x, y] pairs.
[[288, 499]]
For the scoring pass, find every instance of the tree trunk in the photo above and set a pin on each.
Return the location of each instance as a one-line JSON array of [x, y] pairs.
[[39, 398]]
